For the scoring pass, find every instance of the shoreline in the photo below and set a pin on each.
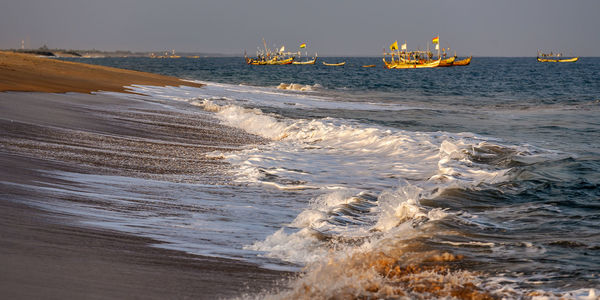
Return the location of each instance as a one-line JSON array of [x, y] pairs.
[[29, 73], [51, 254]]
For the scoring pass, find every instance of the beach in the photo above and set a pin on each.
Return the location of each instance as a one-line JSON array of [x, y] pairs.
[[303, 181], [53, 121]]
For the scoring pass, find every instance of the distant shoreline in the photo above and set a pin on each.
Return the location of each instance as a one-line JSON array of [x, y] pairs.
[[119, 53]]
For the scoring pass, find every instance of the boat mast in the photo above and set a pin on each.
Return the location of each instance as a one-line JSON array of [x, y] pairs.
[[266, 50], [438, 46]]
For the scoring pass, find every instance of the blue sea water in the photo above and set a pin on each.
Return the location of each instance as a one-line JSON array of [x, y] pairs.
[[496, 162]]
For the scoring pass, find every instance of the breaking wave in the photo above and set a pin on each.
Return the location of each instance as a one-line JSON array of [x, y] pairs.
[[298, 87]]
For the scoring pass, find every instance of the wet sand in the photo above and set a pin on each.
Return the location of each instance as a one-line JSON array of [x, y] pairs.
[[51, 255]]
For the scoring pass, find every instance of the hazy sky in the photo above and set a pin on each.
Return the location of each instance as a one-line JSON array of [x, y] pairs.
[[331, 27]]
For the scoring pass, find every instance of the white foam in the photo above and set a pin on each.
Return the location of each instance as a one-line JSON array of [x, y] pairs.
[[333, 162], [297, 87], [283, 96], [336, 159]]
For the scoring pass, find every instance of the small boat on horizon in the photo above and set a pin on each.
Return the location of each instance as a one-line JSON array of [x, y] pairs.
[[368, 66], [418, 59], [308, 62], [270, 57], [335, 64], [411, 64], [551, 57]]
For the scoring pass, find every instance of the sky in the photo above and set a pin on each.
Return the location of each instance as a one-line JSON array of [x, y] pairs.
[[329, 27]]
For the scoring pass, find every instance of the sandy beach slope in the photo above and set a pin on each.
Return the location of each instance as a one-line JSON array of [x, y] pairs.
[[28, 73], [49, 255]]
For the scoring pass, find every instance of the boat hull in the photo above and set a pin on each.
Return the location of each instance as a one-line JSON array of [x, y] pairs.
[[462, 62], [256, 62], [447, 62], [310, 62], [574, 59], [335, 65], [411, 64]]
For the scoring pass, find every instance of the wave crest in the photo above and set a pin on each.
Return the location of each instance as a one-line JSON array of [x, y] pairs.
[[297, 87]]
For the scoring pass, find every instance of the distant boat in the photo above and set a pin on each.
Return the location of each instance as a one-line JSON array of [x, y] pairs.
[[411, 64], [335, 65], [462, 62], [545, 57], [401, 58], [368, 66], [574, 59], [410, 60], [270, 57], [447, 62], [308, 62]]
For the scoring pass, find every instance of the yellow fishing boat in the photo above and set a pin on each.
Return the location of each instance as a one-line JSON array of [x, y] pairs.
[[551, 57], [411, 64], [368, 66], [462, 62], [276, 60], [447, 62], [308, 62], [410, 60], [415, 59], [270, 57], [335, 64], [574, 59]]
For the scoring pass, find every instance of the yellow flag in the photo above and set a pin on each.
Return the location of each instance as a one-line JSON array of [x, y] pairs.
[[436, 40], [394, 46], [303, 45]]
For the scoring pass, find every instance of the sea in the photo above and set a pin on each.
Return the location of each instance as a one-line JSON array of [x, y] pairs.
[[462, 182]]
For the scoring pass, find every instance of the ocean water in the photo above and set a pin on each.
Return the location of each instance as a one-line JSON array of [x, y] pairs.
[[452, 182]]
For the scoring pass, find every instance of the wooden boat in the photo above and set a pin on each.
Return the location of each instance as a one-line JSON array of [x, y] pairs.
[[574, 59], [368, 66], [411, 64], [462, 62], [447, 62], [277, 60], [411, 60], [270, 57], [417, 59], [308, 62], [335, 65], [544, 57]]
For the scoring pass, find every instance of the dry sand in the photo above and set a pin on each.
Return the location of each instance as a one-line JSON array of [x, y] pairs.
[[52, 256], [29, 73]]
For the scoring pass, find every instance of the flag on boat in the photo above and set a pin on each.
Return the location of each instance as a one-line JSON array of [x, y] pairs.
[[403, 47], [394, 46], [303, 45], [436, 40], [282, 49]]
